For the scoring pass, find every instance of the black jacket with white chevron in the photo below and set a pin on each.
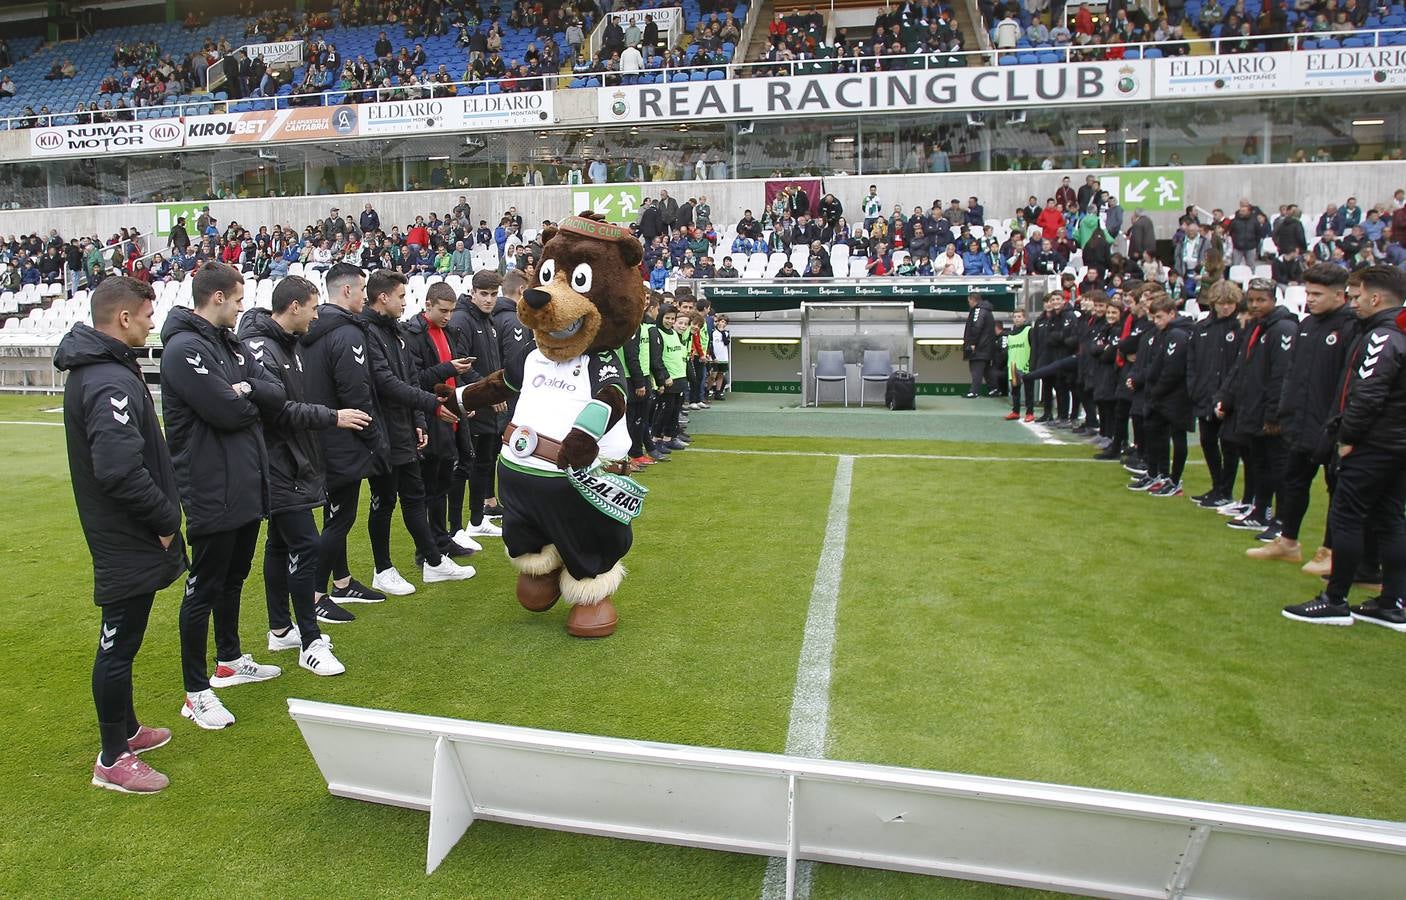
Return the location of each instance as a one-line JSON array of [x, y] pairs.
[[1373, 393]]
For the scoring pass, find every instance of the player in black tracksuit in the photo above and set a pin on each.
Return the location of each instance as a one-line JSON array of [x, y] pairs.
[[213, 398], [1135, 332], [1306, 401], [515, 341], [979, 344], [337, 374], [1370, 427], [1249, 401], [405, 410], [1103, 369], [473, 315], [297, 479], [1092, 324], [1048, 347], [125, 488], [1167, 414], [448, 448], [1213, 344]]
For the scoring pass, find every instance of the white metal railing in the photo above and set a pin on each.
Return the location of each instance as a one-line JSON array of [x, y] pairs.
[[895, 62]]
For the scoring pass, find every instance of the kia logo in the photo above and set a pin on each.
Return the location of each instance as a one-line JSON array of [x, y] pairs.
[[48, 140], [165, 133]]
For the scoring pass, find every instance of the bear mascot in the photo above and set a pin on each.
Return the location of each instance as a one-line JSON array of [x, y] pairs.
[[568, 503]]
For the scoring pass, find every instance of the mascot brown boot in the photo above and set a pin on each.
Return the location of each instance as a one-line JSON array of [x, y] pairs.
[[538, 580], [592, 614]]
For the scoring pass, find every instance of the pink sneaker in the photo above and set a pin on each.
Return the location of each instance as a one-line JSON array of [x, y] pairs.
[[149, 739], [129, 775]]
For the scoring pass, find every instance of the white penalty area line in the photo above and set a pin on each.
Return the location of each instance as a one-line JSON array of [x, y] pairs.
[[810, 702]]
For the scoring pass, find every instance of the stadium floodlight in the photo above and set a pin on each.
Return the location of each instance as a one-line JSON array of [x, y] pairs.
[[1055, 837], [1087, 131]]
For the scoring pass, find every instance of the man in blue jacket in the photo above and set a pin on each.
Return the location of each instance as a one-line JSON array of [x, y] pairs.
[[211, 395], [129, 507]]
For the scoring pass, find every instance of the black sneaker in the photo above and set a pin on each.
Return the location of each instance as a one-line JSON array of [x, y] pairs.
[[1107, 454], [1136, 466], [969, 395], [356, 592], [994, 393], [1378, 611], [1321, 610], [1212, 501], [1169, 488], [332, 614], [1199, 497], [657, 455], [1247, 522], [1080, 430], [1044, 420], [1270, 533], [1142, 483]]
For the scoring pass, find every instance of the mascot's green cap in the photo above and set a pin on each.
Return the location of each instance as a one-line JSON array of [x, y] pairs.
[[594, 419], [603, 231]]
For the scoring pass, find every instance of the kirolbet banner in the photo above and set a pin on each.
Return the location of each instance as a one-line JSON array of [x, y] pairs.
[[916, 90], [476, 112], [110, 137], [303, 124]]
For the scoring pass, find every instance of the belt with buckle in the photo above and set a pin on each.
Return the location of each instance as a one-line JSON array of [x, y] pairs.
[[523, 442]]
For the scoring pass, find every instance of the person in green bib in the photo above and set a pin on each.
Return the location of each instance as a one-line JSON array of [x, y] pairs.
[[675, 359], [1018, 367]]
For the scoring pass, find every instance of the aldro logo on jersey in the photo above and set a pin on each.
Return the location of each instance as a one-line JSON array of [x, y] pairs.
[[556, 384]]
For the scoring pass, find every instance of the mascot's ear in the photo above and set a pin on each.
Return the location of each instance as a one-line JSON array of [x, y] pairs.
[[547, 234], [631, 251]]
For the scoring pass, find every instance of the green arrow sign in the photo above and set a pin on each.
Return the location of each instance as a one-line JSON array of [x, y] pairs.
[[618, 203], [1153, 190], [168, 213]]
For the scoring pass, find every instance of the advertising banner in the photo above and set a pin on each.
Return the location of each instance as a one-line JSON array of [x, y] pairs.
[[1235, 73], [302, 124], [103, 138], [666, 18], [1352, 68], [917, 90], [476, 112], [276, 53]]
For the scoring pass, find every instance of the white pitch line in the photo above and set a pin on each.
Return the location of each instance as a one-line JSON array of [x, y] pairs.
[[810, 702], [929, 456], [45, 424], [1043, 433]]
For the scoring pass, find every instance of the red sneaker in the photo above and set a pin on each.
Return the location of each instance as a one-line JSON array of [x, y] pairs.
[[1012, 416], [129, 775], [1029, 417], [149, 739], [642, 461]]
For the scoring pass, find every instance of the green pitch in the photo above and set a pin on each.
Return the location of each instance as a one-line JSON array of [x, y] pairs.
[[997, 616]]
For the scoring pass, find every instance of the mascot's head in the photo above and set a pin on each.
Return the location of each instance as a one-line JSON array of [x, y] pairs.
[[589, 296]]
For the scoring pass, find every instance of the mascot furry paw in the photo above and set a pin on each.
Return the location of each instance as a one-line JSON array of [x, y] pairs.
[[567, 525]]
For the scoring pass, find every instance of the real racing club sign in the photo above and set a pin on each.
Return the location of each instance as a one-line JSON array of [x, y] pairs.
[[935, 89]]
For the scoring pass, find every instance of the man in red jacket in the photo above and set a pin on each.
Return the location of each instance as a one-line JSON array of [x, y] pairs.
[[1050, 220]]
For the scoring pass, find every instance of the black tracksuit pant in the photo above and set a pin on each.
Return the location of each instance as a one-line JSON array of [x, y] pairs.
[[1268, 452], [636, 411], [1299, 473], [485, 460], [123, 627], [338, 517], [1222, 457], [1026, 387], [666, 414], [438, 475], [1161, 433], [290, 572], [219, 563], [401, 482], [1369, 497], [978, 368]]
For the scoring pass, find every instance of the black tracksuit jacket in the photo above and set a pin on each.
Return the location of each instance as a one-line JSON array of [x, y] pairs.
[[1214, 342], [1373, 393], [337, 374], [297, 473], [1251, 393], [1166, 373], [443, 442], [1310, 390], [216, 437], [404, 407], [482, 335], [123, 481]]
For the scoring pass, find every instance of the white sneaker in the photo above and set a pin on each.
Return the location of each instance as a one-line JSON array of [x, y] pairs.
[[318, 658], [390, 582], [206, 710], [463, 539], [290, 641], [447, 570], [242, 671], [484, 528]]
